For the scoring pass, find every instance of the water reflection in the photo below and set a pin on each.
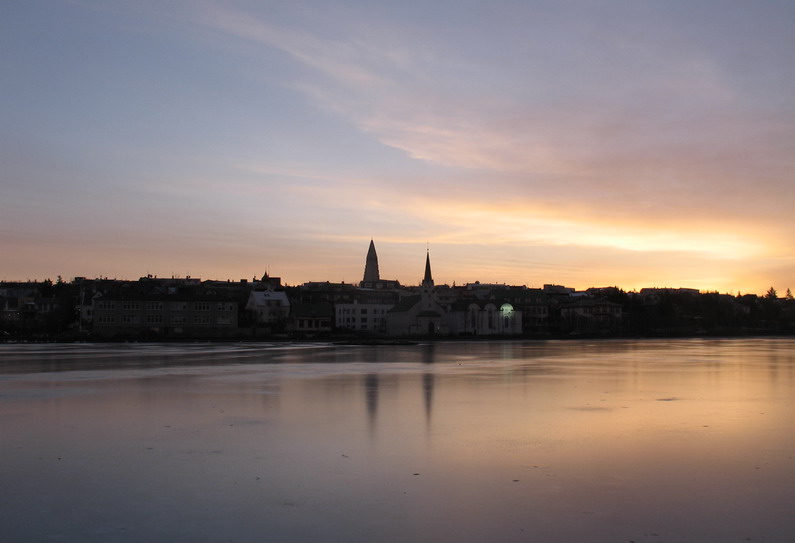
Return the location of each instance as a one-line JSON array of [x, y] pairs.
[[514, 441], [427, 395], [428, 353], [371, 398]]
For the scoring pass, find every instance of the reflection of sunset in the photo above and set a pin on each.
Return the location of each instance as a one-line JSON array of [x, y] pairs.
[[453, 441], [619, 395]]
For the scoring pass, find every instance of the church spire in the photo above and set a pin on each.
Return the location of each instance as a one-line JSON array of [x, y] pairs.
[[427, 281], [371, 272]]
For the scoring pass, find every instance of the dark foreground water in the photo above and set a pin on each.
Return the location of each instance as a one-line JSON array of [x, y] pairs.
[[618, 441]]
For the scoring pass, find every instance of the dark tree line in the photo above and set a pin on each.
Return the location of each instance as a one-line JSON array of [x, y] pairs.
[[675, 313]]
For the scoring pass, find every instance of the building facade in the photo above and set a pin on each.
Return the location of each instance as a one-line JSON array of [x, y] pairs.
[[161, 309]]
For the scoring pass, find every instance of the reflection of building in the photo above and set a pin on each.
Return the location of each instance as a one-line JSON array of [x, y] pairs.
[[371, 384], [427, 395], [371, 398]]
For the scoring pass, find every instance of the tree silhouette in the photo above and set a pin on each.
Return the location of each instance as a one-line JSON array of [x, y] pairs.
[[771, 294]]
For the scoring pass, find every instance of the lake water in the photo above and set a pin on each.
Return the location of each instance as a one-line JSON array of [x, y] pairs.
[[576, 441]]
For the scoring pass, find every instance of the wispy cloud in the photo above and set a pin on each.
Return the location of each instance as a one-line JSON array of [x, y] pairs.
[[679, 109], [611, 138], [350, 62]]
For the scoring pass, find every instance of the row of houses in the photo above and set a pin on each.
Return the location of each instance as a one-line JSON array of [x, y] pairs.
[[173, 309], [384, 307], [190, 308]]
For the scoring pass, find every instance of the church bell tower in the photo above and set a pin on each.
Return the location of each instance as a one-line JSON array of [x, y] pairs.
[[371, 273], [427, 281]]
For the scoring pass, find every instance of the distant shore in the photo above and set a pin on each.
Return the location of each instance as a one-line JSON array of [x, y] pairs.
[[344, 340]]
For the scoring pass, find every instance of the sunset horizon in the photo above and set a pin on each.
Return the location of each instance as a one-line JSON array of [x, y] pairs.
[[628, 144], [348, 274]]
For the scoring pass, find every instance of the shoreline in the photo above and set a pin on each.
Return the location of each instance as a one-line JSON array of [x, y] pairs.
[[347, 340]]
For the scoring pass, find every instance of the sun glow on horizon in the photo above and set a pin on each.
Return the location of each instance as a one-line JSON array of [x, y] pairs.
[[527, 143]]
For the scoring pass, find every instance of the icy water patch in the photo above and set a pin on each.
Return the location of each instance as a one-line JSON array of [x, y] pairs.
[[689, 440]]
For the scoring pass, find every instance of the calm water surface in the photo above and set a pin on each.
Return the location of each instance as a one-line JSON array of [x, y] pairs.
[[617, 441]]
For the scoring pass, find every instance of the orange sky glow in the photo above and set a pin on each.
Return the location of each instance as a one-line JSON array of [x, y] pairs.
[[634, 144]]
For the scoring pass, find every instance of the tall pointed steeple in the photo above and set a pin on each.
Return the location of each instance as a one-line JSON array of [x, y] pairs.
[[427, 281], [371, 266]]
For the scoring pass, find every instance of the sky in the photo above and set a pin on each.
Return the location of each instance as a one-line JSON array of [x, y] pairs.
[[585, 143]]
